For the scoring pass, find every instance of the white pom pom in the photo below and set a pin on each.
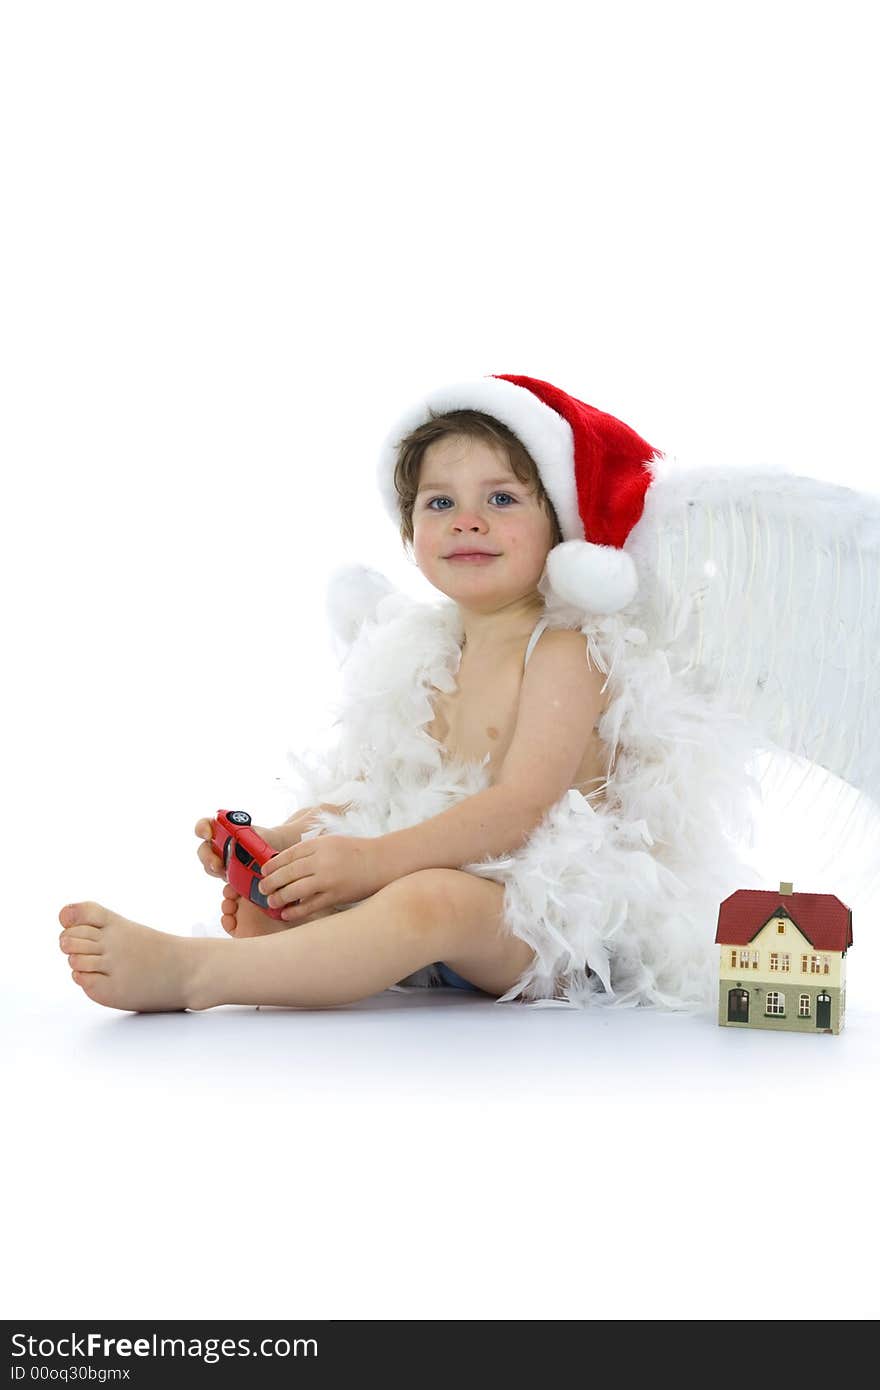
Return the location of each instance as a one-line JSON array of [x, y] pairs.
[[596, 578]]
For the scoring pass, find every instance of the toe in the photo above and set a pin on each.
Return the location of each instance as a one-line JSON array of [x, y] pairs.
[[83, 914], [71, 934], [81, 945], [81, 964], [91, 984]]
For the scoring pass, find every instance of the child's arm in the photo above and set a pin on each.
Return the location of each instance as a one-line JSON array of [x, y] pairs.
[[560, 699], [489, 823]]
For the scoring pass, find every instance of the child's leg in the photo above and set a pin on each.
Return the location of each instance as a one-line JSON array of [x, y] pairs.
[[346, 956]]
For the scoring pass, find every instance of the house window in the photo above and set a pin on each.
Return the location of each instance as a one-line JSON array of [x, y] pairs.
[[780, 928], [774, 960], [748, 958], [819, 965], [775, 1002], [784, 960], [804, 1006], [733, 959], [804, 960]]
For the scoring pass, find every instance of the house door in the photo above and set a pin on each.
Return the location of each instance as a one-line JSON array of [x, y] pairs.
[[823, 1010], [737, 1006]]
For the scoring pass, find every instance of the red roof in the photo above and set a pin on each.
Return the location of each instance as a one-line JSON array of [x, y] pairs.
[[825, 921]]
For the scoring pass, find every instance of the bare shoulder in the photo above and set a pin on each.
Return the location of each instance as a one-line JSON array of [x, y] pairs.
[[560, 648], [563, 638], [560, 662]]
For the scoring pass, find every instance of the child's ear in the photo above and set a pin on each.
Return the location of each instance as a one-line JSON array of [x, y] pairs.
[[354, 592]]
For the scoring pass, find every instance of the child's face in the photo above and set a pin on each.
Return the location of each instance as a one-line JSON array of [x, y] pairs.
[[477, 502]]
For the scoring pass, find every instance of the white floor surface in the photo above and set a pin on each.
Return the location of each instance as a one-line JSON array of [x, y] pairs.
[[433, 1156]]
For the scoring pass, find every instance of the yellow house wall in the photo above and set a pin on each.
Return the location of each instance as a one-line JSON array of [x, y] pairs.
[[791, 940]]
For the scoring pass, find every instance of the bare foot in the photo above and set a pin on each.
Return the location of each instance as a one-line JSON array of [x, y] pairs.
[[243, 918], [127, 966]]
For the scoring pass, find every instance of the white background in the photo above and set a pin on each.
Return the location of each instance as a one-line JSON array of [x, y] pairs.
[[237, 239]]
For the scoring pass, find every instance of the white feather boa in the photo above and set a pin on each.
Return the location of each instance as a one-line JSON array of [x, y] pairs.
[[619, 902]]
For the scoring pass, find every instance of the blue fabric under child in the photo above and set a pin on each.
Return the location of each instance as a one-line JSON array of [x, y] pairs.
[[449, 977]]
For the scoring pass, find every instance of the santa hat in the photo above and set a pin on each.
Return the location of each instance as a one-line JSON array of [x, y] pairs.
[[593, 467]]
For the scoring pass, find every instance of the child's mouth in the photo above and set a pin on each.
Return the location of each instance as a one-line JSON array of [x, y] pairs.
[[478, 558]]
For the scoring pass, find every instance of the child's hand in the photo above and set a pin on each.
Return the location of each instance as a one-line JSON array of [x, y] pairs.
[[320, 873], [211, 862], [279, 837]]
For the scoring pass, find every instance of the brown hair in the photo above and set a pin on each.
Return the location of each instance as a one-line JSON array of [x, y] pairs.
[[474, 424]]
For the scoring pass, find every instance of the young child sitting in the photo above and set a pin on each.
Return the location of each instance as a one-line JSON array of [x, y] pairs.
[[484, 847]]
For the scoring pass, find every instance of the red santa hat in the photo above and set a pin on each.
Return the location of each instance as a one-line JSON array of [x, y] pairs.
[[594, 468]]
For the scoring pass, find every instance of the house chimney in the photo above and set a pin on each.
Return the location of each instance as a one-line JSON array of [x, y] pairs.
[[785, 887]]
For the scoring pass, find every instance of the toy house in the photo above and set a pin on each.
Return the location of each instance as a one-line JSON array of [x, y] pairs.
[[783, 960]]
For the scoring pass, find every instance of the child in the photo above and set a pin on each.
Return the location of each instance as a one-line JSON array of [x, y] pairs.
[[506, 812]]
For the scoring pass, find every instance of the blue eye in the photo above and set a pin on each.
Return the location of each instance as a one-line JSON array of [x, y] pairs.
[[430, 503]]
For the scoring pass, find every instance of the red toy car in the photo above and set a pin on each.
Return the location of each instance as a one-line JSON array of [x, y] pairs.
[[244, 853]]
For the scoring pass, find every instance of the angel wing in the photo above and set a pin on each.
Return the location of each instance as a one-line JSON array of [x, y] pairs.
[[768, 586]]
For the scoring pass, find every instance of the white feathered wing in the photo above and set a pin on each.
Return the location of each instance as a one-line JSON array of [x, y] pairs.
[[767, 586]]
